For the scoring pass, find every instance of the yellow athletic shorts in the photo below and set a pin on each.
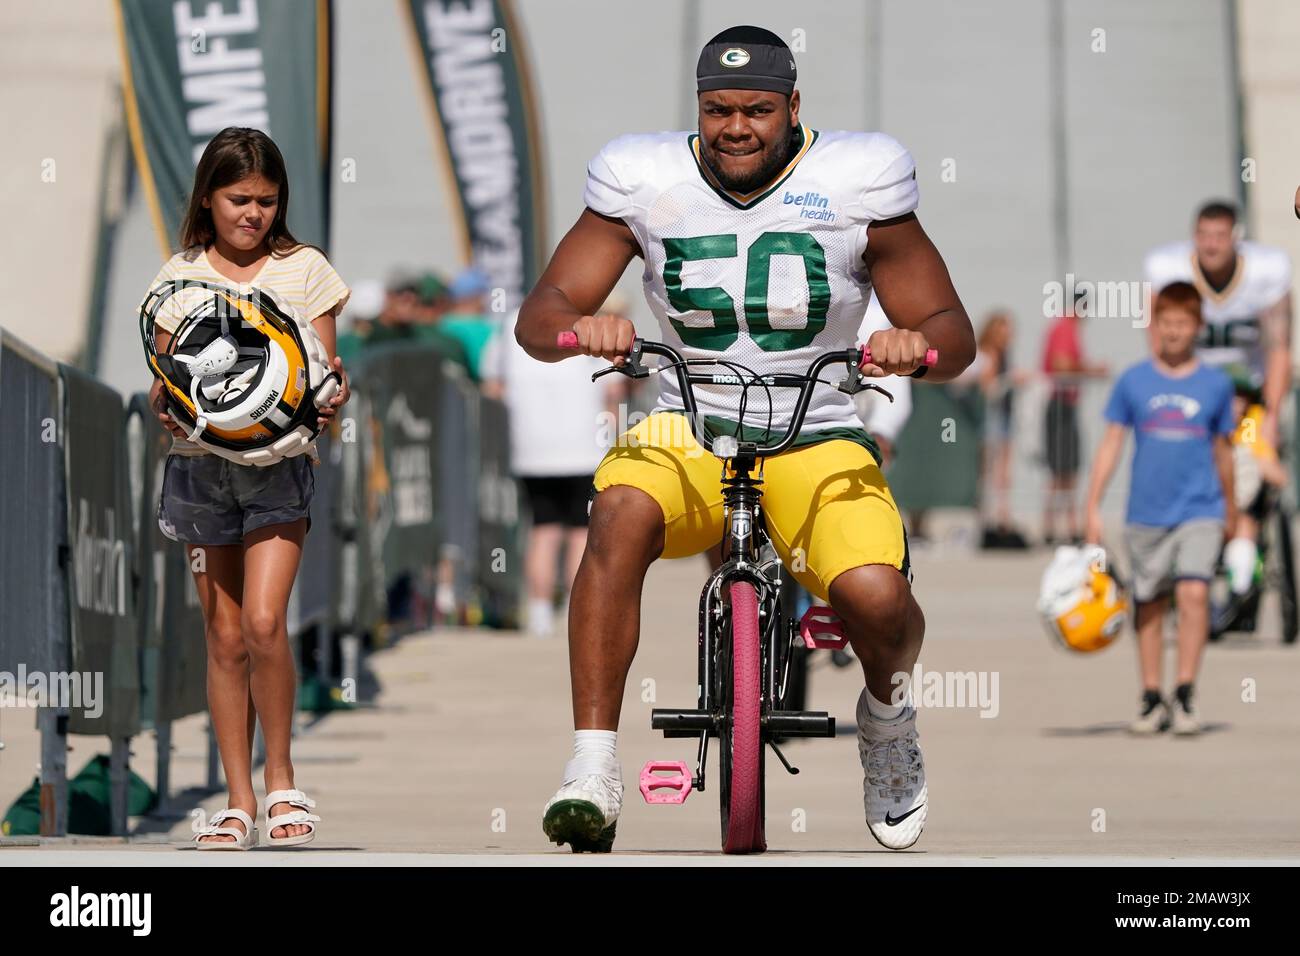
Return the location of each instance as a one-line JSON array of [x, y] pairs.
[[827, 505]]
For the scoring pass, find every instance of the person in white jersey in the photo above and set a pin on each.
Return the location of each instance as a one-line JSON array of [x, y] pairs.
[[1245, 292], [560, 426], [762, 239]]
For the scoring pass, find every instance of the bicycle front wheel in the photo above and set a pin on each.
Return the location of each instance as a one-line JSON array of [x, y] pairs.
[[741, 744]]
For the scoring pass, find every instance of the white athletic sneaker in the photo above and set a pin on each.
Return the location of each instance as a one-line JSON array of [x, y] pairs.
[[1186, 722], [893, 784], [584, 811]]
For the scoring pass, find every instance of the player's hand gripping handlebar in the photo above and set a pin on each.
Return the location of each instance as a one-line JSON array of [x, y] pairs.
[[686, 379], [569, 340]]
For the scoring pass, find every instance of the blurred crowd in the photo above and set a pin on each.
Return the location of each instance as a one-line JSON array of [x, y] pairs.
[[451, 315], [560, 423], [1003, 398]]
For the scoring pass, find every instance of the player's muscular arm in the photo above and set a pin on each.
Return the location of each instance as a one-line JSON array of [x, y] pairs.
[[586, 265], [916, 293]]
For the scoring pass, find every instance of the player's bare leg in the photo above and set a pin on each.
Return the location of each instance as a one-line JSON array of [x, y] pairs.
[[886, 627], [625, 536]]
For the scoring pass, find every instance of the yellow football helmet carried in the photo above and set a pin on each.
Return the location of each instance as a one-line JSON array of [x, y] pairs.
[[244, 374], [1082, 604]]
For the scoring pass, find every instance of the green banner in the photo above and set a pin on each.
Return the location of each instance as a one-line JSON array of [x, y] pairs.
[[487, 130], [191, 68], [937, 455]]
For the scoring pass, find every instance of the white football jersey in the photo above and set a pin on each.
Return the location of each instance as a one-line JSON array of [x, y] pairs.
[[770, 279], [1232, 328]]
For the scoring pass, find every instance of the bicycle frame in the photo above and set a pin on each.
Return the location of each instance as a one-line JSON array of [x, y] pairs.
[[743, 544], [752, 583]]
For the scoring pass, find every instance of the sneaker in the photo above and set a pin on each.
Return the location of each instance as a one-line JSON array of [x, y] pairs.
[[893, 782], [1186, 722], [584, 811], [1153, 716]]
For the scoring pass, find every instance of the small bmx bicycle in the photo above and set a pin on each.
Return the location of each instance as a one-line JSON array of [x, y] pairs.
[[746, 637]]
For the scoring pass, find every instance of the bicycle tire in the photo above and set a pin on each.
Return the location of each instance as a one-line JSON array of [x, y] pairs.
[[741, 793]]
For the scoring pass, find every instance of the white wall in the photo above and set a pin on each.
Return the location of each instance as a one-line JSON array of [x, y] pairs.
[[58, 67]]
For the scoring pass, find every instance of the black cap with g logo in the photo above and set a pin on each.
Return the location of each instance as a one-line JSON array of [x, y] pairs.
[[746, 58]]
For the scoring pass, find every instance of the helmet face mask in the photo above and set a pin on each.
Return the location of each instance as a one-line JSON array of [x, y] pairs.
[[244, 374]]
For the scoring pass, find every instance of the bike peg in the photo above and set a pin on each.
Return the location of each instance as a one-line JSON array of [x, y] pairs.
[[822, 629], [674, 788]]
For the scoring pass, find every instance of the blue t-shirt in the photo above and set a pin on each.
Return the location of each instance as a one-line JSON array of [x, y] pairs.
[[1174, 422]]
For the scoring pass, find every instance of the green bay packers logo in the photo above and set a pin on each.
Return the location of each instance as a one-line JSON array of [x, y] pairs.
[[734, 57]]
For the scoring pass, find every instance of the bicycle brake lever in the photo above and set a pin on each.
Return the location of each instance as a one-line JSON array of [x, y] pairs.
[[883, 391], [853, 383], [857, 382], [632, 368]]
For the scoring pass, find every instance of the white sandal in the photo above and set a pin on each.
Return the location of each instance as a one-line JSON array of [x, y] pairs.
[[244, 839], [303, 803]]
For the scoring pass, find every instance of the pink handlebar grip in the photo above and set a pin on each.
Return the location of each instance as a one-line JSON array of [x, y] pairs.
[[566, 340], [931, 357]]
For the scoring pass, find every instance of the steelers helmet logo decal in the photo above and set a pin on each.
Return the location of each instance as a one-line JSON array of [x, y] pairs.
[[734, 57]]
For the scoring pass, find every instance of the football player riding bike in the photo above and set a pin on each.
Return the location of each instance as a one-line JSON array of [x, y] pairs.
[[762, 240]]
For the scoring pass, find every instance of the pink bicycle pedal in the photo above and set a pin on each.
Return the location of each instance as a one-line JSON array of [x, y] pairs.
[[670, 789], [822, 629]]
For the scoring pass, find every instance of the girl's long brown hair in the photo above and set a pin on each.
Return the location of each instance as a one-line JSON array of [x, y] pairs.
[[234, 153]]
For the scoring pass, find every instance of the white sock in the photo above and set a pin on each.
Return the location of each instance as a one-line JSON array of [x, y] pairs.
[[1239, 557], [878, 710], [594, 751], [541, 617]]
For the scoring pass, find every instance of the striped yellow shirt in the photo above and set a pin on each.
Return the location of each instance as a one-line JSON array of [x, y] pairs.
[[303, 279]]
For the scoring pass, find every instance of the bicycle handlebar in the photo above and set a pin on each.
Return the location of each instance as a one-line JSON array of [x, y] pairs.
[[856, 358], [569, 340]]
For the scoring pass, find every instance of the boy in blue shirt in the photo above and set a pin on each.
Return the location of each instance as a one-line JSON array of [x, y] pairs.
[[1180, 496]]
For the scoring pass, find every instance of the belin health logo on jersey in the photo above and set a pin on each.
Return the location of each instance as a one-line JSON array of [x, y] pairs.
[[811, 206]]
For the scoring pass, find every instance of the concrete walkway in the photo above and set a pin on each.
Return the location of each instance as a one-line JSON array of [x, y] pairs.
[[472, 728]]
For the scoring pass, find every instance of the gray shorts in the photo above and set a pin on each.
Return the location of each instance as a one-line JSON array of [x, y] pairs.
[[1160, 556], [206, 499]]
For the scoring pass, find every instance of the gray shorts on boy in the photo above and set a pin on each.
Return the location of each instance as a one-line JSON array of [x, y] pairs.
[[1160, 556]]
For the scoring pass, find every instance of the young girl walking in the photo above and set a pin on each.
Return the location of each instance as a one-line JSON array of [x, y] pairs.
[[243, 525]]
